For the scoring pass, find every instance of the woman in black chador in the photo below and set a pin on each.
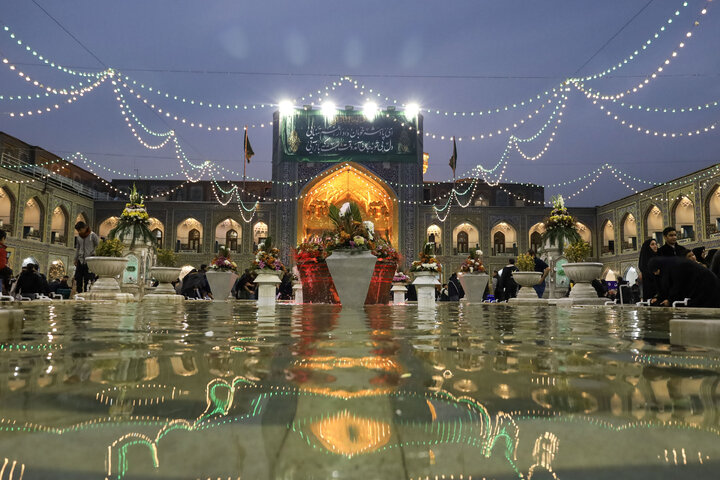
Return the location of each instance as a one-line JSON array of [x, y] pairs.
[[647, 279], [680, 278]]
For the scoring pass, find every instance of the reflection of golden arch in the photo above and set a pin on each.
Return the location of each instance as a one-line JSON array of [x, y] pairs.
[[377, 202]]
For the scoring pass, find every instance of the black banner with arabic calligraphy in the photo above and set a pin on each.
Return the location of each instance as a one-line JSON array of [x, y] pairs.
[[309, 136]]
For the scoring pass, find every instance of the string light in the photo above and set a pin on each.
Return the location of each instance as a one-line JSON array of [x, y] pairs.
[[56, 106]]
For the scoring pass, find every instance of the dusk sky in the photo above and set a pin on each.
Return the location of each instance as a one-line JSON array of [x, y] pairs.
[[455, 56]]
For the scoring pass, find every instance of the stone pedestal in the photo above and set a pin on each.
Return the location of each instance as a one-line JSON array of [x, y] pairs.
[[351, 273], [267, 283], [399, 290], [298, 293], [582, 274], [164, 292], [527, 294], [699, 333], [474, 285], [106, 287], [11, 322], [425, 283]]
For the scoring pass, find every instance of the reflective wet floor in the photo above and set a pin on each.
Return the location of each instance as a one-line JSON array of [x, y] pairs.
[[224, 391]]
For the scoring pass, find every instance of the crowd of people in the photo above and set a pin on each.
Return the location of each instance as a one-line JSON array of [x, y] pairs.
[[670, 273]]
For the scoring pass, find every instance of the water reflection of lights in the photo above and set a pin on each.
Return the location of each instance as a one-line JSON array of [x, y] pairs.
[[330, 362], [12, 472], [349, 435]]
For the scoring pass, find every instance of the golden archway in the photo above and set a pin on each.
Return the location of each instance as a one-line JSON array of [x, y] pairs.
[[351, 182]]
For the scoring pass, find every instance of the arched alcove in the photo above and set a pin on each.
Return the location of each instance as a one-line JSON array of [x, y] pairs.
[[684, 217], [608, 237], [229, 234], [629, 233], [189, 235], [465, 238], [59, 226], [33, 219], [7, 210], [503, 238], [654, 223]]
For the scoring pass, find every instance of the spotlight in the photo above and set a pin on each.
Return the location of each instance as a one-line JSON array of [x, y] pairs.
[[412, 110], [286, 108], [328, 109], [370, 110]]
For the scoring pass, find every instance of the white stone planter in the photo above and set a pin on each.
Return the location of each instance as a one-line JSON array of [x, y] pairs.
[[582, 274], [399, 290], [106, 287], [351, 273], [267, 282], [474, 285], [527, 280], [165, 275], [425, 283], [220, 284]]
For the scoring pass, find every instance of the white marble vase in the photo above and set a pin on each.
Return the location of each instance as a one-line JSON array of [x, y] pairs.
[[220, 284], [474, 285], [351, 273]]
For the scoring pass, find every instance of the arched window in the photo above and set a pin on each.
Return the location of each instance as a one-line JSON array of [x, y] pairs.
[[229, 233], [684, 218], [506, 242], [189, 235], [629, 233], [260, 233], [608, 237], [584, 232], [434, 236], [654, 223], [499, 243], [713, 211], [231, 240], [158, 235], [58, 226], [465, 238], [536, 233], [462, 242], [194, 240], [33, 220], [7, 211]]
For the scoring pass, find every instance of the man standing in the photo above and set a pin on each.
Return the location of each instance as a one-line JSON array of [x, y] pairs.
[[508, 286], [86, 243], [671, 248], [543, 268]]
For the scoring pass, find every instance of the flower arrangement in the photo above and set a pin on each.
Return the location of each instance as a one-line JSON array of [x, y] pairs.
[[473, 263], [560, 225], [134, 221], [400, 277], [427, 261], [578, 251], [110, 247], [311, 250], [525, 262], [351, 233], [222, 262], [384, 251], [267, 257]]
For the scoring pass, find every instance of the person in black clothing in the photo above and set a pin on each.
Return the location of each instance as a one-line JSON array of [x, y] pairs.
[[239, 288], [193, 285], [30, 283], [681, 278], [285, 289], [542, 267], [648, 251], [699, 253], [506, 285], [671, 248], [455, 289]]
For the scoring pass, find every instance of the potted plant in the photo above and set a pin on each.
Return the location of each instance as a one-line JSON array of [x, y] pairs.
[[473, 277], [426, 271], [317, 284], [269, 270], [350, 260], [526, 276], [165, 271], [581, 272], [560, 226], [108, 264], [221, 275], [134, 222]]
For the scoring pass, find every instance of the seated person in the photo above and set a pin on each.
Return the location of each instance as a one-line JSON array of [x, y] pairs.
[[680, 278], [30, 283]]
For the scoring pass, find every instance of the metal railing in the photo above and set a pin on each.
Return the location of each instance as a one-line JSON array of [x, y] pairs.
[[51, 178]]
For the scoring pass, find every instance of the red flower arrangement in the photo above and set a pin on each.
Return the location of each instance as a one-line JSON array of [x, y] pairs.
[[473, 263]]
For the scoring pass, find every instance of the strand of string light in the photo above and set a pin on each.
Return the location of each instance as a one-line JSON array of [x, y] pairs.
[[649, 109], [45, 60], [56, 106], [87, 161], [48, 89], [656, 133], [641, 50], [604, 96], [81, 86]]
